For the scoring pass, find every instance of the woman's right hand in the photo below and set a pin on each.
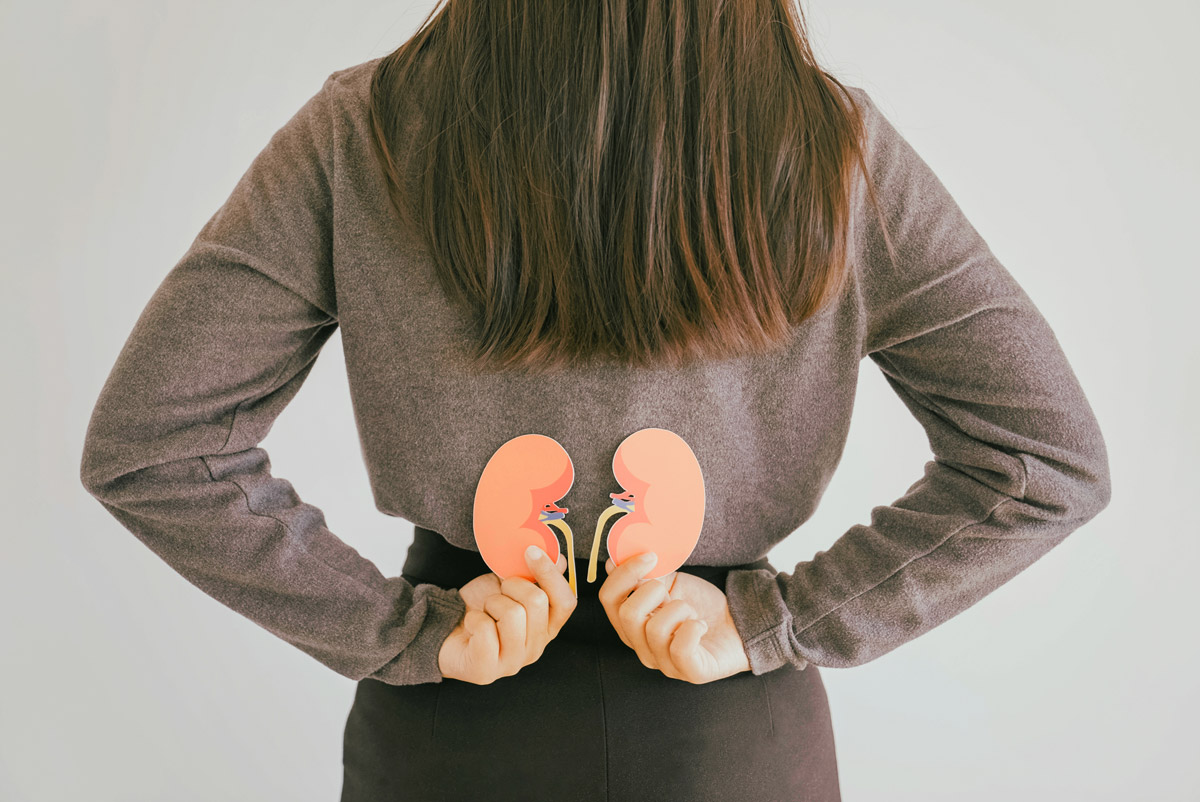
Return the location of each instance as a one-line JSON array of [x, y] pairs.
[[507, 623]]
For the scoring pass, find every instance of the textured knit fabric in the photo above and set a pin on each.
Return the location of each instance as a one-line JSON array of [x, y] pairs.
[[307, 243]]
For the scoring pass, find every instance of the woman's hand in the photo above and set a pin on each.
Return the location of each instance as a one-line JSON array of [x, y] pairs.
[[689, 637], [507, 623]]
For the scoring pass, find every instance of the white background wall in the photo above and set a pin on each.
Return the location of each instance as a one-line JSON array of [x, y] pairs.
[[1066, 131]]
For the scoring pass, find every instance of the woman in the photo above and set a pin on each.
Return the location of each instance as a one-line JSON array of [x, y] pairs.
[[581, 221]]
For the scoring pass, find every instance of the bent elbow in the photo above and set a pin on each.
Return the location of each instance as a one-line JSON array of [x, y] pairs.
[[89, 476], [103, 461], [1099, 490], [1067, 492], [1094, 477], [94, 474]]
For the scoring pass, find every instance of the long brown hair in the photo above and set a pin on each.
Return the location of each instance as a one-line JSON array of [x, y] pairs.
[[645, 180]]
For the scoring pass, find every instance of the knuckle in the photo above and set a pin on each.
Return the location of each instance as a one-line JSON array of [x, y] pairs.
[[677, 653], [515, 586]]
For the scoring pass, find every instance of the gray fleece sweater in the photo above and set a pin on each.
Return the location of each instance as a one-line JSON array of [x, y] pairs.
[[307, 243]]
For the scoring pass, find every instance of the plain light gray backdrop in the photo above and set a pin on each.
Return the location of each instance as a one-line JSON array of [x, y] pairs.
[[1066, 131]]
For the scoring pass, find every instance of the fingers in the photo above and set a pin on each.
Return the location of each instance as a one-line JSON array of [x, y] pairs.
[[536, 605], [686, 650], [617, 586], [484, 641], [637, 612], [537, 611], [664, 626], [665, 633], [508, 622], [509, 615], [629, 605], [550, 579]]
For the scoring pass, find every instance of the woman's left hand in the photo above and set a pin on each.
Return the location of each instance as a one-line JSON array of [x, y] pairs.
[[663, 620]]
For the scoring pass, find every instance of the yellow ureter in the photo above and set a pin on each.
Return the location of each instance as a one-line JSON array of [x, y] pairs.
[[559, 523], [604, 516]]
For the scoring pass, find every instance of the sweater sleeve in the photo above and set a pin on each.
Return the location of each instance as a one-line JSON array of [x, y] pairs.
[[1018, 457], [171, 449]]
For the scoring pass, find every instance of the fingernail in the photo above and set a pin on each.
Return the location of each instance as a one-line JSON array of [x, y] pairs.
[[534, 553], [649, 558]]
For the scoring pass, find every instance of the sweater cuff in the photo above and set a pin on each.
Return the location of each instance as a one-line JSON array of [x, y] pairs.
[[763, 620], [417, 663]]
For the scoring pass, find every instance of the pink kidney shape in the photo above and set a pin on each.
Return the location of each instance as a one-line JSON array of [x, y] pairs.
[[524, 476], [660, 471]]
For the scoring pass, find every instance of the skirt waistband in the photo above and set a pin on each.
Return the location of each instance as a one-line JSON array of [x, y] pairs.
[[433, 560]]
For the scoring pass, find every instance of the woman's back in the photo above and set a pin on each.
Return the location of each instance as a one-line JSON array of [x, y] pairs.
[[307, 243]]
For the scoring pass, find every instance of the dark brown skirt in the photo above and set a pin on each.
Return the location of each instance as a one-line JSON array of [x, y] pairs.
[[587, 721]]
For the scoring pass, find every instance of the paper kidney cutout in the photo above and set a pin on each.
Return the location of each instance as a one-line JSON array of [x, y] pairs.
[[663, 502], [515, 501]]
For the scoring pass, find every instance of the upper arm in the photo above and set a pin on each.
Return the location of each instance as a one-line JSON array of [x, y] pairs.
[[233, 328], [966, 348]]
